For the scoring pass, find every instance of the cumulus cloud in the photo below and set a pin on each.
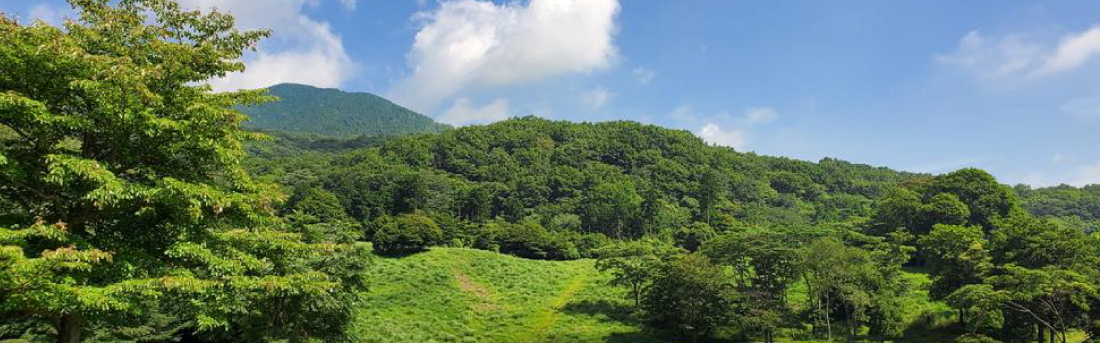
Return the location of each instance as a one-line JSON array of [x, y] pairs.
[[471, 44], [1023, 55], [463, 112], [643, 75], [301, 50], [714, 134], [722, 127], [596, 98]]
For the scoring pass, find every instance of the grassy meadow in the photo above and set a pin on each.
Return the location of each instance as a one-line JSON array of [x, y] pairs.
[[466, 295]]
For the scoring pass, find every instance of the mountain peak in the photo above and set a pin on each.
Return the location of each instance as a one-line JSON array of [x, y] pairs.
[[336, 113]]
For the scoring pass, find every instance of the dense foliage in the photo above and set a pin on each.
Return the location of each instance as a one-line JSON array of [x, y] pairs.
[[133, 207], [123, 195], [619, 180], [335, 113]]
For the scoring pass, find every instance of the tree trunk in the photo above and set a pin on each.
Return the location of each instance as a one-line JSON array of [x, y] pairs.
[[69, 327], [1039, 338], [828, 319], [962, 319]]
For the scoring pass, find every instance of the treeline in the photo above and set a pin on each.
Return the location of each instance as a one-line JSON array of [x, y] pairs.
[[656, 205], [575, 184], [1010, 276]]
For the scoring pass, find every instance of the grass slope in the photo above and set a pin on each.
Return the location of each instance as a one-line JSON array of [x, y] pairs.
[[466, 295]]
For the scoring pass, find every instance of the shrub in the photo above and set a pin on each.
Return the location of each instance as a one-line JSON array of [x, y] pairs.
[[406, 232]]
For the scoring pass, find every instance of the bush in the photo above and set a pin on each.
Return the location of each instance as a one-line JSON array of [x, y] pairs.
[[406, 232], [531, 240]]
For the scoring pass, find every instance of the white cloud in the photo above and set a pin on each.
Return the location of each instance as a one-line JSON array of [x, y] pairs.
[[643, 75], [756, 115], [1089, 175], [714, 134], [722, 127], [1073, 51], [682, 114], [993, 58], [596, 98], [1083, 108], [1023, 55], [300, 50], [463, 112], [1057, 158], [469, 44]]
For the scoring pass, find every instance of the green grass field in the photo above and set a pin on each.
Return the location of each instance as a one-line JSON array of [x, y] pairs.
[[465, 295]]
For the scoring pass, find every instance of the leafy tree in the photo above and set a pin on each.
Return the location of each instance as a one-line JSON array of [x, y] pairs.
[[984, 197], [317, 202], [764, 267], [129, 194], [899, 209], [1055, 298], [611, 208], [945, 208], [633, 263], [957, 257], [688, 296], [405, 232]]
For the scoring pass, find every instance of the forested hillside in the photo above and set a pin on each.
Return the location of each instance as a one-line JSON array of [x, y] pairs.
[[135, 207], [334, 113], [617, 180]]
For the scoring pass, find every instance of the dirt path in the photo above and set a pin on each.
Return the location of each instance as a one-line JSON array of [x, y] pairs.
[[545, 319]]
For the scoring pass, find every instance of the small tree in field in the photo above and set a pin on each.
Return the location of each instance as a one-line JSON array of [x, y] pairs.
[[633, 263], [124, 171]]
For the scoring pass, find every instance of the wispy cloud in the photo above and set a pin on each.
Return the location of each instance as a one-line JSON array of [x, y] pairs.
[[469, 44], [1087, 109], [597, 98], [464, 112], [1089, 175], [1023, 55], [758, 115], [643, 75], [1073, 51]]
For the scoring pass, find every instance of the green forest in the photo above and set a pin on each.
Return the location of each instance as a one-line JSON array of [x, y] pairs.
[[137, 205]]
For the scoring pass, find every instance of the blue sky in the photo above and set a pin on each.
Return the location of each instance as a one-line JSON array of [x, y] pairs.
[[1012, 87]]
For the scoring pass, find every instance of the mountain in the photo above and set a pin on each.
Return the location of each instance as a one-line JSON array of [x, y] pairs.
[[335, 113]]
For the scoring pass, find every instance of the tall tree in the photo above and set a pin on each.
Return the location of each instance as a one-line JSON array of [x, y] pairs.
[[688, 295], [126, 173], [764, 267]]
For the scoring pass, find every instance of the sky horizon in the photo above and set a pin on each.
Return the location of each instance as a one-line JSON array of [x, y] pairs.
[[922, 86]]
